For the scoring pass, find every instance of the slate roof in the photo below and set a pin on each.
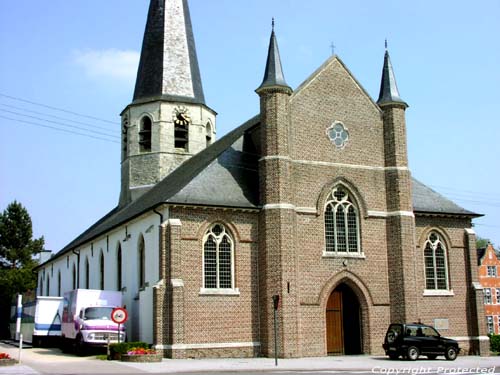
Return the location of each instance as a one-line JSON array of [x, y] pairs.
[[168, 68], [389, 92], [226, 175], [273, 75]]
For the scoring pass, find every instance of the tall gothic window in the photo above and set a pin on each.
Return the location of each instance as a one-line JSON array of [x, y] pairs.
[[59, 283], [74, 276], [145, 134], [436, 263], [119, 268], [341, 223], [142, 263], [48, 286], [101, 271], [87, 274], [218, 258]]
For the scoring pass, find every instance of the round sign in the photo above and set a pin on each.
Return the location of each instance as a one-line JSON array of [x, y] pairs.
[[119, 315]]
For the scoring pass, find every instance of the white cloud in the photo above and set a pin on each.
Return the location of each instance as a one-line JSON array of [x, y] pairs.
[[113, 64]]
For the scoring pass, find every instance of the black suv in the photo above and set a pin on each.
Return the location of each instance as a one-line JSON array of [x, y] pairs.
[[411, 340]]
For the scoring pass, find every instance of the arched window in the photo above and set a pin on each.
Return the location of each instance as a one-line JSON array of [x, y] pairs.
[[101, 271], [145, 134], [436, 263], [74, 276], [341, 223], [208, 136], [119, 268], [59, 283], [87, 274], [142, 263], [218, 258]]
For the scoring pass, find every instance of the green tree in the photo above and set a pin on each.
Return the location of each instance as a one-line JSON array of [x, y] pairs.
[[17, 251]]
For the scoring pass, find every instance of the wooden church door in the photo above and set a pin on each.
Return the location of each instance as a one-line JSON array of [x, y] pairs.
[[334, 324]]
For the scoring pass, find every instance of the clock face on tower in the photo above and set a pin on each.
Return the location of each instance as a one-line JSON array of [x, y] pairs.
[[181, 116]]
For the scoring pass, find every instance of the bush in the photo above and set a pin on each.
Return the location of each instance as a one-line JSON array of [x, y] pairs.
[[123, 347], [495, 343]]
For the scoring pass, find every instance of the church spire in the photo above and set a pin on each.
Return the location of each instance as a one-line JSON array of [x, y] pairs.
[[273, 76], [389, 93], [168, 67]]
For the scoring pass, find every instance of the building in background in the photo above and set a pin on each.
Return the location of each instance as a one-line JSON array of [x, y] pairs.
[[489, 269], [311, 200]]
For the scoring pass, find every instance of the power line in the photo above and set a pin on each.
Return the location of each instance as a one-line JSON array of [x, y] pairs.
[[57, 109], [56, 117], [58, 129], [60, 123], [464, 191]]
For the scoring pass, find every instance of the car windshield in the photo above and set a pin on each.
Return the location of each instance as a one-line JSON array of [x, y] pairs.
[[98, 313]]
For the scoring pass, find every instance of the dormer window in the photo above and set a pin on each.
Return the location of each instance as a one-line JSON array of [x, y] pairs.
[[145, 134]]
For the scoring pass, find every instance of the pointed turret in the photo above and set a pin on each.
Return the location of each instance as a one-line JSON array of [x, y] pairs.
[[389, 93], [168, 68], [273, 76]]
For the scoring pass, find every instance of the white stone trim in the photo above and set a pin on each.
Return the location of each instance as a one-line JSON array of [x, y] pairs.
[[331, 254], [141, 187], [211, 345], [275, 157], [465, 338], [177, 283], [276, 206], [390, 214], [175, 222], [330, 164], [477, 286], [470, 231], [306, 210], [438, 293], [219, 292], [354, 166]]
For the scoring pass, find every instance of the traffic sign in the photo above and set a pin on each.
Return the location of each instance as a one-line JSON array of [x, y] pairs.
[[119, 315]]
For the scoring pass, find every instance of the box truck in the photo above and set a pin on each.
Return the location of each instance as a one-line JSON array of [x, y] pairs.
[[40, 320], [86, 319]]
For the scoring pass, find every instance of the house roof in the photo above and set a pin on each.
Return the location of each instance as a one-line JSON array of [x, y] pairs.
[[226, 175]]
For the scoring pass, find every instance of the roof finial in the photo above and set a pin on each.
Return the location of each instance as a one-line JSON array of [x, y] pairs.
[[332, 46], [386, 44], [273, 24]]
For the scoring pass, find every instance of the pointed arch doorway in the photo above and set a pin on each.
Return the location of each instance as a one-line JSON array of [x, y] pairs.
[[343, 322]]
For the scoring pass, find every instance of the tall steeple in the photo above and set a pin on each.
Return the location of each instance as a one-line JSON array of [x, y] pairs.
[[273, 75], [168, 120], [389, 93], [168, 68]]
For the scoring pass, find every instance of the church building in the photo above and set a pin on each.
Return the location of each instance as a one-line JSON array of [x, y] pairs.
[[311, 200]]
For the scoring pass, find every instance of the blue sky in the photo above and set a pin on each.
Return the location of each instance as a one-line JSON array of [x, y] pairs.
[[81, 56]]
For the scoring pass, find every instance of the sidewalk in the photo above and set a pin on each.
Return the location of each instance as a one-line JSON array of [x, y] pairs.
[[361, 363]]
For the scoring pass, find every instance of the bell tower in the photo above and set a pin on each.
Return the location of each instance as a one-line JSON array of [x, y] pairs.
[[168, 120]]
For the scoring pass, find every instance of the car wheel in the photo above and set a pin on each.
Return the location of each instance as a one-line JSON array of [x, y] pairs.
[[431, 356], [393, 356], [451, 353], [412, 353]]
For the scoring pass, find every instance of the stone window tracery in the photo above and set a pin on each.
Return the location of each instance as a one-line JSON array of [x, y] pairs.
[[218, 258], [436, 263], [341, 223]]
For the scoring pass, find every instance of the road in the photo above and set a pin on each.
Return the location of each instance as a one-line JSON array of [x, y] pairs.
[[54, 362]]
